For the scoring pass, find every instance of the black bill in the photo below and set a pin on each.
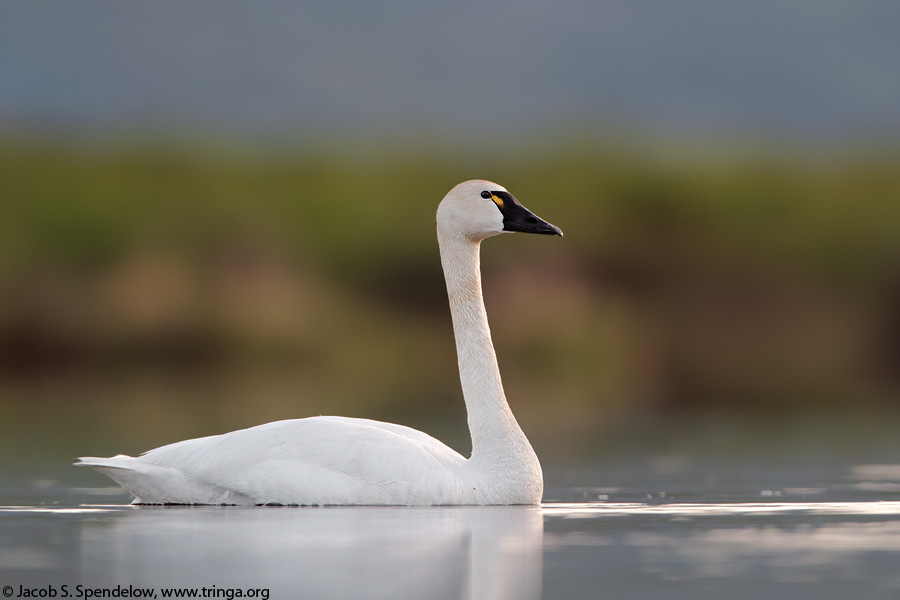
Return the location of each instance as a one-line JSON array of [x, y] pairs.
[[518, 218]]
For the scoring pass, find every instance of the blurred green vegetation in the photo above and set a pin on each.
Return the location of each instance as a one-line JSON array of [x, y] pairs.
[[149, 294]]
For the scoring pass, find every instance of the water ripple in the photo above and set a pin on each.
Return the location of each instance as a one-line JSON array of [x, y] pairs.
[[609, 509]]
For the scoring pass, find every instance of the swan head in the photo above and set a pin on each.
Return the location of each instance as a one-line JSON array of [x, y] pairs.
[[478, 209]]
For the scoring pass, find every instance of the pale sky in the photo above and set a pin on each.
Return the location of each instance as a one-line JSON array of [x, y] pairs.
[[806, 69]]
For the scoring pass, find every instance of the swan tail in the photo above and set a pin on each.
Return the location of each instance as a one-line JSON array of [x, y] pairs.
[[114, 462], [127, 471], [157, 484]]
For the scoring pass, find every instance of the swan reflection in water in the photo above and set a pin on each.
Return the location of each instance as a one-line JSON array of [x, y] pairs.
[[361, 552], [628, 550]]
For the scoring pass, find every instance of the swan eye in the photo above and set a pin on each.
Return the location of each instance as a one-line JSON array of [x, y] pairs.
[[485, 194]]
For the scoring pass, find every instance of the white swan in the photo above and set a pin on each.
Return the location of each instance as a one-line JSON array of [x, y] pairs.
[[339, 460]]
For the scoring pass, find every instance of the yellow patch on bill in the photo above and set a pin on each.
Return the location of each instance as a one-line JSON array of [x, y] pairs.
[[497, 200]]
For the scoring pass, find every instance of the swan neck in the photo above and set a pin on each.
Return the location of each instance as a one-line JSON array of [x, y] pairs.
[[495, 433]]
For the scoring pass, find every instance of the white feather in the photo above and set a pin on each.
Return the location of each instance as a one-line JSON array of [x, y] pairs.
[[340, 460]]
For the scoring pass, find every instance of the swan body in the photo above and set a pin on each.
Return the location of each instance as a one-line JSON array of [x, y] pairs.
[[347, 461]]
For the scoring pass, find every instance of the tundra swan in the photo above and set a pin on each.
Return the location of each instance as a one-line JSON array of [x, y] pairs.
[[346, 461]]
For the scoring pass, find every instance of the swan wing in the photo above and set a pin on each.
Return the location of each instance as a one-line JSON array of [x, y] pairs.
[[318, 460]]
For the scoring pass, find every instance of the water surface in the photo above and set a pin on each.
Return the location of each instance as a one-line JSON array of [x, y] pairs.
[[670, 530]]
